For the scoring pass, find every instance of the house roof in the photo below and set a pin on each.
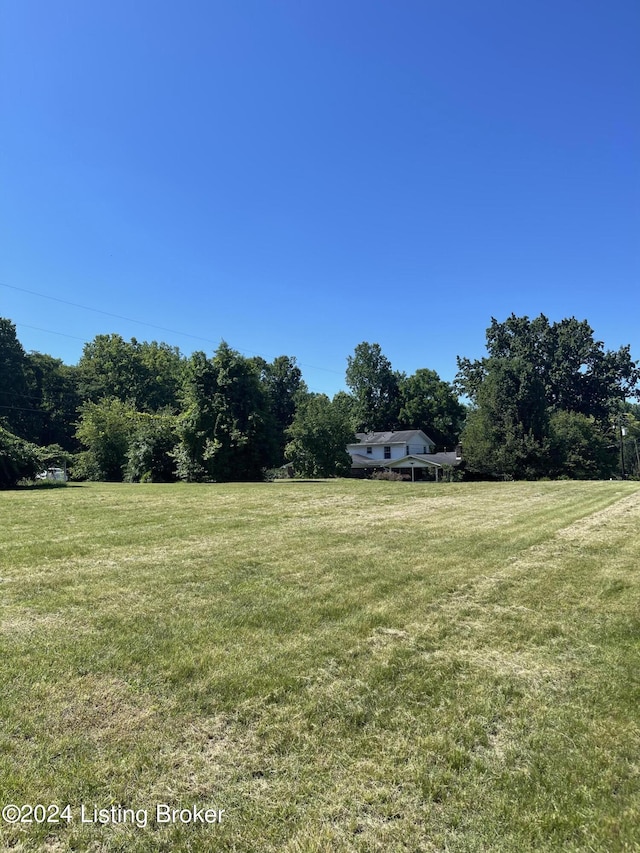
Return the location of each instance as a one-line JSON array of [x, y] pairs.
[[423, 460], [406, 436], [448, 458], [359, 460], [438, 460]]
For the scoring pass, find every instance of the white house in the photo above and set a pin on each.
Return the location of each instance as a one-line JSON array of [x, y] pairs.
[[409, 450]]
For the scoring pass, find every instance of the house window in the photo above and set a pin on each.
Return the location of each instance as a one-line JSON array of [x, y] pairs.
[[387, 452], [408, 450], [424, 449], [369, 450]]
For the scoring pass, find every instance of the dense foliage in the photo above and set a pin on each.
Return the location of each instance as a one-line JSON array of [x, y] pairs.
[[226, 429], [320, 433], [547, 401], [19, 459], [375, 389]]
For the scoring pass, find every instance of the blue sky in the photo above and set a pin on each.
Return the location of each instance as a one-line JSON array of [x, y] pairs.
[[296, 177]]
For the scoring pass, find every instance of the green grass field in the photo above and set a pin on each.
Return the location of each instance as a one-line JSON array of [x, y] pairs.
[[339, 666]]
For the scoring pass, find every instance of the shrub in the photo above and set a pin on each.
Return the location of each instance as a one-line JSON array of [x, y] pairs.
[[19, 459], [106, 428], [452, 474], [150, 455], [84, 467], [387, 475]]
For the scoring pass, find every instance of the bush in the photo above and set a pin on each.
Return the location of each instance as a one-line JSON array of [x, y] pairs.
[[387, 475], [150, 456], [106, 428], [19, 459], [84, 467], [452, 474], [282, 473], [580, 449]]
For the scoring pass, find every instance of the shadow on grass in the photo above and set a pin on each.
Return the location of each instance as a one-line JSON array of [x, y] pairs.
[[291, 482], [30, 487]]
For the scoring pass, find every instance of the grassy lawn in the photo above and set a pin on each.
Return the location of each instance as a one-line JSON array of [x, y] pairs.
[[339, 666]]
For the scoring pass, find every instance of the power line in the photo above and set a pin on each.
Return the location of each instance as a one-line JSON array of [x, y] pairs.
[[105, 313], [51, 332], [70, 393], [139, 322], [22, 409]]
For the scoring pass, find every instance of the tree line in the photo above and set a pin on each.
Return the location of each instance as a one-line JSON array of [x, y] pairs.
[[547, 401]]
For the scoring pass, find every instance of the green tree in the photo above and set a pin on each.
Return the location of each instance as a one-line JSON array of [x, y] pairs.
[[146, 375], [226, 429], [375, 388], [506, 430], [240, 445], [105, 429], [319, 435], [576, 372], [108, 368], [17, 405], [344, 404], [53, 387], [578, 447], [430, 404], [535, 370], [197, 419], [283, 383], [163, 368], [19, 459], [150, 454]]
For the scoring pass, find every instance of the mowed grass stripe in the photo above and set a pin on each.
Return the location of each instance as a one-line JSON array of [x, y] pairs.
[[343, 666]]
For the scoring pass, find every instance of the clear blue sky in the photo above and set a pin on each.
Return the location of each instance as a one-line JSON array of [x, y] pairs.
[[296, 177]]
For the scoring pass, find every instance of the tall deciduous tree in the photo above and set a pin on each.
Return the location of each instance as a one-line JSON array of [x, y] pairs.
[[17, 405], [319, 435], [108, 368], [506, 430], [163, 366], [577, 373], [54, 390], [105, 429], [578, 447], [226, 429], [282, 380], [197, 418], [629, 435], [146, 375], [375, 388], [430, 404], [533, 372]]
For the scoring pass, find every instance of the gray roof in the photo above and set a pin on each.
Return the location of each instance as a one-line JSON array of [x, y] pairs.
[[448, 458], [405, 436], [359, 460]]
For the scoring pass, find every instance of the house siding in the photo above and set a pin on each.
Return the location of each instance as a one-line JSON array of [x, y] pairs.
[[372, 446]]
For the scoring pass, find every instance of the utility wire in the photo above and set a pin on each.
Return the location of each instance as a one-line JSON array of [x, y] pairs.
[[51, 332], [106, 313], [22, 409], [141, 323]]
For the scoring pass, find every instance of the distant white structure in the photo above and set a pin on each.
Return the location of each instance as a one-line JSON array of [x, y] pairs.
[[401, 451], [57, 474]]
